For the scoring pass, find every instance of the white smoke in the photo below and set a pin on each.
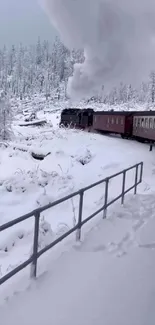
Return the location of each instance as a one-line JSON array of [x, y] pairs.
[[117, 37]]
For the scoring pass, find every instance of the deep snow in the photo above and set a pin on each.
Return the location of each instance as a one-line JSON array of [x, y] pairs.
[[108, 279], [27, 183]]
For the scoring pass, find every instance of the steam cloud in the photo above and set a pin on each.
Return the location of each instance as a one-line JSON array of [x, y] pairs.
[[118, 38]]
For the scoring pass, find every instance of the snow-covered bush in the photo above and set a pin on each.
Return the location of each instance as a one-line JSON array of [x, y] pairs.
[[84, 156], [62, 229], [46, 235], [12, 240]]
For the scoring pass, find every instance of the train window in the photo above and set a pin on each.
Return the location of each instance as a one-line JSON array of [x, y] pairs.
[[154, 124], [121, 121], [108, 120], [116, 120], [150, 123], [95, 119], [135, 122], [142, 123], [112, 120], [146, 122], [138, 123]]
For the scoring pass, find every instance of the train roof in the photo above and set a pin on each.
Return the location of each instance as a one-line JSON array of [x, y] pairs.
[[75, 110], [144, 113], [110, 112], [65, 110], [124, 113]]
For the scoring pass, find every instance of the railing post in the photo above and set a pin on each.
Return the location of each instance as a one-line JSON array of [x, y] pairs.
[[33, 272], [136, 180], [78, 232], [105, 198], [141, 171], [123, 186]]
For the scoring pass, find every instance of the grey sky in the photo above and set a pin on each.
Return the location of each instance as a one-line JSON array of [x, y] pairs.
[[23, 21]]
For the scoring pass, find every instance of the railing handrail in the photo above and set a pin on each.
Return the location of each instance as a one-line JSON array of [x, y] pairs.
[[36, 213], [63, 199]]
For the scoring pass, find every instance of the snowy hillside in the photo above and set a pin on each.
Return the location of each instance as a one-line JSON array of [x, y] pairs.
[[72, 160]]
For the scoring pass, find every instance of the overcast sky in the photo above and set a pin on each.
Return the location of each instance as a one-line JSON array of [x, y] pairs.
[[23, 20]]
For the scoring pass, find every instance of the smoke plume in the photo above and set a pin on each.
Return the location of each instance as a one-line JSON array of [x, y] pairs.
[[117, 37]]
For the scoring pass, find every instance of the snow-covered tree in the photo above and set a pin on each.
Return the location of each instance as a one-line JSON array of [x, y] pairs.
[[152, 87], [5, 117]]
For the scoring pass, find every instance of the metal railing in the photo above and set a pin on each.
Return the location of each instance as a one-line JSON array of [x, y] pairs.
[[36, 214]]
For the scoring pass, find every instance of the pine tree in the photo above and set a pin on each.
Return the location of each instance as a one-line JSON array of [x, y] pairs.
[[5, 117]]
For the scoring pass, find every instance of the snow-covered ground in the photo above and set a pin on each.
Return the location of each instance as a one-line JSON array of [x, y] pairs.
[[73, 160], [108, 279], [39, 103]]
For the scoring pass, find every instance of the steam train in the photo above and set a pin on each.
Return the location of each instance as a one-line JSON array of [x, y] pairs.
[[139, 125]]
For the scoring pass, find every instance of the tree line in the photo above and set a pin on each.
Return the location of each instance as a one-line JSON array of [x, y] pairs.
[[39, 68], [43, 67]]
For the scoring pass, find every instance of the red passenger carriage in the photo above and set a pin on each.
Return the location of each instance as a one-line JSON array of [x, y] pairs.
[[144, 126], [114, 122]]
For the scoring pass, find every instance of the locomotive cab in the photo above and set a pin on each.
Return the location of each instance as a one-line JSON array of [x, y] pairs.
[[70, 117], [86, 117]]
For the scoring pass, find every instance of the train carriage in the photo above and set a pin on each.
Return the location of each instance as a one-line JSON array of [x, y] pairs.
[[144, 126], [114, 122]]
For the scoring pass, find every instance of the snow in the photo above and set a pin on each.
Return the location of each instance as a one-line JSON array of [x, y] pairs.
[[34, 122], [117, 254], [107, 279], [40, 105]]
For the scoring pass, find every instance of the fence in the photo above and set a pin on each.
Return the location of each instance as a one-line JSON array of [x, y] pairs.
[[36, 214]]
